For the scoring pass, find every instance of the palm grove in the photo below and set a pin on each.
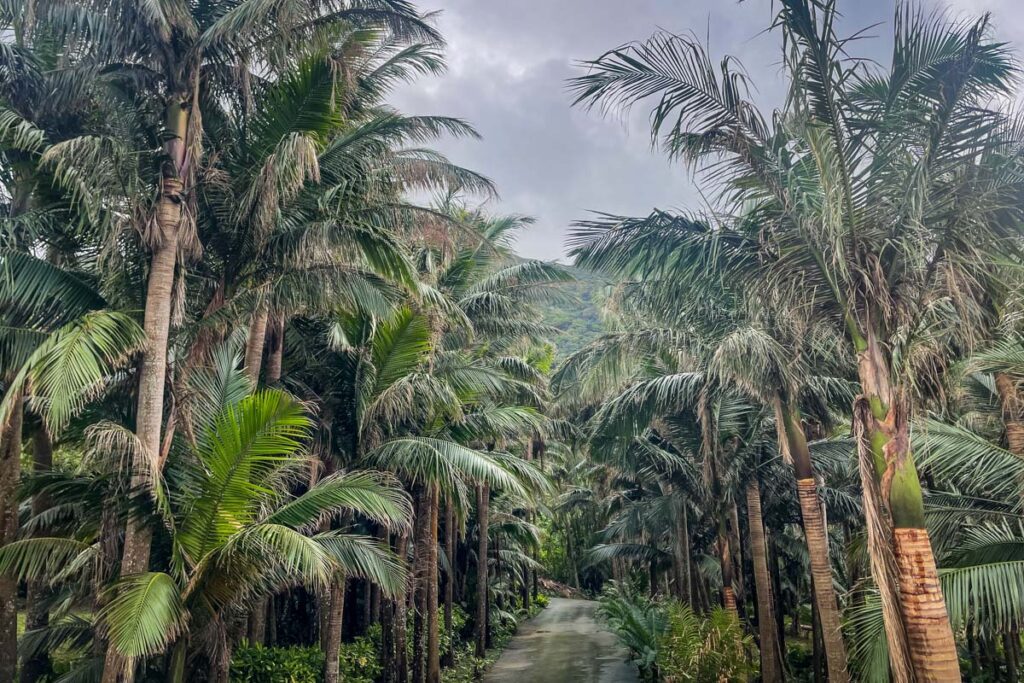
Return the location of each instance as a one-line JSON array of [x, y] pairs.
[[256, 395], [247, 381], [810, 391]]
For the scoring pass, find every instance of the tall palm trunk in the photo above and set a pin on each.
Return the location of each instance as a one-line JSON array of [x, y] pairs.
[[258, 621], [332, 638], [725, 558], [37, 615], [426, 666], [10, 467], [157, 319], [736, 548], [433, 637], [922, 605], [449, 582], [426, 662], [682, 556], [480, 623], [254, 343], [771, 654], [816, 536], [10, 470], [275, 328], [401, 620], [275, 349]]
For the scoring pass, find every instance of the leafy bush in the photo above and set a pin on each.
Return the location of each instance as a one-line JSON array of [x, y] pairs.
[[705, 649], [459, 618], [359, 661], [258, 664], [503, 626], [542, 600], [638, 622], [467, 667]]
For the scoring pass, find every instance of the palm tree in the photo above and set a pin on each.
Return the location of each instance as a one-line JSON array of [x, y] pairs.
[[851, 188], [776, 359], [303, 187], [184, 54], [236, 530]]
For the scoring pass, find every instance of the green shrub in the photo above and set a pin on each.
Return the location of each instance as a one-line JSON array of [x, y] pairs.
[[258, 664], [359, 661], [459, 618], [637, 621], [467, 667], [708, 649], [542, 600]]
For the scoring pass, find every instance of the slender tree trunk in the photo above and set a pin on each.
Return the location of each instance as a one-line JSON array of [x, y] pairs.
[[771, 654], [680, 549], [275, 349], [480, 623], [37, 614], [10, 472], [335, 617], [10, 469], [816, 536], [1010, 639], [725, 557], [818, 667], [367, 607], [272, 622], [684, 587], [449, 583], [433, 669], [156, 324], [929, 635], [254, 344], [401, 620], [387, 641], [535, 590], [421, 564], [258, 621], [323, 600], [780, 605], [324, 618], [374, 604], [737, 556], [1014, 426]]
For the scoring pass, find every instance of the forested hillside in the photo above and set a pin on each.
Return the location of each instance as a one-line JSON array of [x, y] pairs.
[[578, 319]]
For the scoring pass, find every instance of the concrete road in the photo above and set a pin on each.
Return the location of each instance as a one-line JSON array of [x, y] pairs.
[[563, 644]]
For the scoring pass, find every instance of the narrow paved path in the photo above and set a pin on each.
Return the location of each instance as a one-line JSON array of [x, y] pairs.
[[563, 644]]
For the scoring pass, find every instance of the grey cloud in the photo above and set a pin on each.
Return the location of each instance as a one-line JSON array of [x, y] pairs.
[[508, 65]]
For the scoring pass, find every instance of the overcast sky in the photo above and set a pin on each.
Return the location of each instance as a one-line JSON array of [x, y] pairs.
[[508, 65]]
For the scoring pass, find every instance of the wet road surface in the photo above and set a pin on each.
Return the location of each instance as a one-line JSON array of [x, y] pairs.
[[565, 643]]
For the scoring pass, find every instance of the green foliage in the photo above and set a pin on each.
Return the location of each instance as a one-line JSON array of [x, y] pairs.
[[258, 664], [638, 622], [709, 649], [670, 642], [578, 321], [459, 619], [359, 661], [467, 667], [542, 601]]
